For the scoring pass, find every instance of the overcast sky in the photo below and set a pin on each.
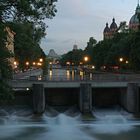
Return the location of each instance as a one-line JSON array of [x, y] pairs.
[[77, 20]]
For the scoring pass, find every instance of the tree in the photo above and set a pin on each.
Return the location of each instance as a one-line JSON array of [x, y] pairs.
[[31, 12], [75, 57]]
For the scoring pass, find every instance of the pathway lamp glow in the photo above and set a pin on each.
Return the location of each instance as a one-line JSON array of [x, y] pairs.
[[15, 63], [93, 67], [126, 62], [68, 63], [39, 64], [121, 59], [34, 63], [86, 58], [27, 89], [40, 60], [27, 63]]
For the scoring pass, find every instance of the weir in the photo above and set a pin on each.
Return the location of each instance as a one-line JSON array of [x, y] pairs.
[[85, 97]]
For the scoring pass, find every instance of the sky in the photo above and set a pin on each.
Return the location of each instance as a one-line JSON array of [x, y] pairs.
[[78, 20]]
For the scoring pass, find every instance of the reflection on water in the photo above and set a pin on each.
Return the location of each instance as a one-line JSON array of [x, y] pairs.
[[50, 74], [68, 74], [21, 124], [81, 75]]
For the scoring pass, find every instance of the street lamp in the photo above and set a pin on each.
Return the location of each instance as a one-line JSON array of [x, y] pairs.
[[27, 63], [86, 58], [121, 59], [40, 60], [15, 63], [126, 62], [39, 64], [34, 63], [93, 67]]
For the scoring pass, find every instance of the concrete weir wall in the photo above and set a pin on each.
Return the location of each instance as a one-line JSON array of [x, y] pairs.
[[130, 98], [85, 98], [38, 98]]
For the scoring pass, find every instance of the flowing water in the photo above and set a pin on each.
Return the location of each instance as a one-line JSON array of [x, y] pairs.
[[20, 124]]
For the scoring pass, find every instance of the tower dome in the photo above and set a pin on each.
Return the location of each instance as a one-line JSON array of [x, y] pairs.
[[113, 26], [75, 47], [134, 21], [106, 32], [107, 29]]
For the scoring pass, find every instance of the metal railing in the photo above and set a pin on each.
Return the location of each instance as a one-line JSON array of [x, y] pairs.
[[76, 78]]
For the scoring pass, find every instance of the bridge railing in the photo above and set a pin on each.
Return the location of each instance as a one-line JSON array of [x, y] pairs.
[[94, 77]]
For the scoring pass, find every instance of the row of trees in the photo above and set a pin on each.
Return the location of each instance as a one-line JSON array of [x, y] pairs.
[[26, 19], [106, 53]]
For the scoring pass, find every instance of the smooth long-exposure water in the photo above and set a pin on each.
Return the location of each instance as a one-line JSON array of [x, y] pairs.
[[21, 124]]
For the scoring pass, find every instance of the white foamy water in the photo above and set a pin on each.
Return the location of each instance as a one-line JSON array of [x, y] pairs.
[[22, 124]]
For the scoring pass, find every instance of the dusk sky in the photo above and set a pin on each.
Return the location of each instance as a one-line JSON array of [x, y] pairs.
[[77, 20]]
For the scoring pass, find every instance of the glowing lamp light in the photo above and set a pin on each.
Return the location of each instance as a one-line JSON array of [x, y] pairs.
[[93, 67], [40, 60], [34, 63], [15, 63], [86, 58], [27, 63], [121, 59], [126, 62]]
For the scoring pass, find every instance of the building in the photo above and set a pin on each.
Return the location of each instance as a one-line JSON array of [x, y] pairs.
[[75, 47], [10, 44], [134, 21], [53, 55], [109, 32]]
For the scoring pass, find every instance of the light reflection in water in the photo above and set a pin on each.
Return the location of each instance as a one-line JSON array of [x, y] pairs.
[[68, 74], [81, 75], [73, 75], [90, 76], [50, 74]]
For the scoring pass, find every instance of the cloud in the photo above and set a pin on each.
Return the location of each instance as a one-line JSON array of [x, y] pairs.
[[49, 40], [67, 41], [77, 20]]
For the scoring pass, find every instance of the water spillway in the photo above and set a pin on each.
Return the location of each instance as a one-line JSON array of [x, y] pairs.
[[20, 123]]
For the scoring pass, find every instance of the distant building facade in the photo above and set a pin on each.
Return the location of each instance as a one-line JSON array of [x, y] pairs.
[[10, 44], [75, 47], [53, 55]]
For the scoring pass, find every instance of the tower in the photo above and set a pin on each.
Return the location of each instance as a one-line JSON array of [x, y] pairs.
[[110, 31], [134, 21]]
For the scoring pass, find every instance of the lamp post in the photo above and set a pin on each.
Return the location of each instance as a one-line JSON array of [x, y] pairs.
[[86, 59], [41, 60], [27, 65], [121, 59]]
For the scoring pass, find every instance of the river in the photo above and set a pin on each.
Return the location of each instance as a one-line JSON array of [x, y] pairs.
[[19, 123]]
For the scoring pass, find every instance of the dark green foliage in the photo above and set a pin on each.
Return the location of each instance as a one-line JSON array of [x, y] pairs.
[[123, 44], [27, 43], [75, 57], [5, 67], [25, 18]]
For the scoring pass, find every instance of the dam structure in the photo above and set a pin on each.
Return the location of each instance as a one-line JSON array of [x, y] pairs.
[[101, 91]]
